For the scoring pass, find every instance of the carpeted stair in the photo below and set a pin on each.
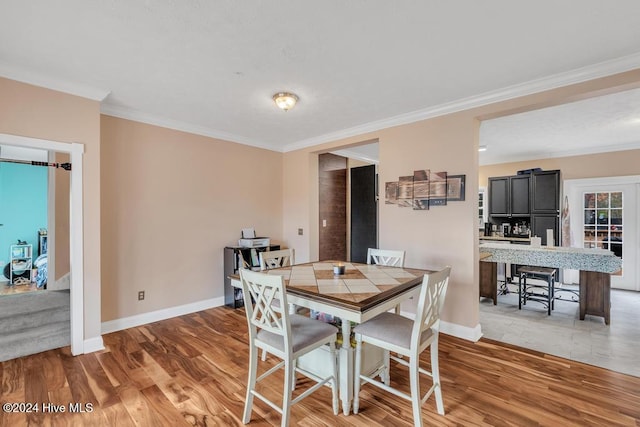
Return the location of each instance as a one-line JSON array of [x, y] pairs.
[[33, 322]]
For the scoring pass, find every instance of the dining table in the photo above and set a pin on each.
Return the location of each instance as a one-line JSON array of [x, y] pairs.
[[360, 293]]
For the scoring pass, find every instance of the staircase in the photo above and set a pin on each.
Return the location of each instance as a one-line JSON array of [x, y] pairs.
[[33, 322]]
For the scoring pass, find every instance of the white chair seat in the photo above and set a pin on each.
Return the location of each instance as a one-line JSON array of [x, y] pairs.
[[391, 328], [304, 332]]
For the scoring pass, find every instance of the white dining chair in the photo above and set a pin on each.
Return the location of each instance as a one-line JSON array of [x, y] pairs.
[[386, 257], [287, 336], [276, 259], [390, 258], [409, 338]]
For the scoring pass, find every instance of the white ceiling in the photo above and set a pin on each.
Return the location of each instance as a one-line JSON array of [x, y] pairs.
[[595, 125], [211, 67]]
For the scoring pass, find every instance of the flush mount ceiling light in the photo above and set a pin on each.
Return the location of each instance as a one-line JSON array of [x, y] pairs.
[[285, 100], [482, 148]]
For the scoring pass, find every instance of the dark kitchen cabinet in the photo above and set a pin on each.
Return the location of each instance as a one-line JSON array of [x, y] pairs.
[[541, 223], [499, 196], [545, 191], [509, 196]]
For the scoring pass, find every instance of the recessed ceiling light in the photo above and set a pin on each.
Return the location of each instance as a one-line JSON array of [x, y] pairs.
[[285, 100], [482, 148]]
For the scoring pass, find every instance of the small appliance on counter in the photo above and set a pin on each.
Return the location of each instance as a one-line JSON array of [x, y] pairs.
[[249, 239]]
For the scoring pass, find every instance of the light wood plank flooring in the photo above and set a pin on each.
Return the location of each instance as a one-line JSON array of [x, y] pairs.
[[191, 370], [5, 289]]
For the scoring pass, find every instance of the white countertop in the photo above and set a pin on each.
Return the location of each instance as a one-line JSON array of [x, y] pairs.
[[599, 260]]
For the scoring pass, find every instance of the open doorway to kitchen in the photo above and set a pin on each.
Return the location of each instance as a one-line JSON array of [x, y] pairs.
[[587, 140]]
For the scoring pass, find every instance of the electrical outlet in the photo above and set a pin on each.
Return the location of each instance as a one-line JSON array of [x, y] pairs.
[[140, 295], [299, 231]]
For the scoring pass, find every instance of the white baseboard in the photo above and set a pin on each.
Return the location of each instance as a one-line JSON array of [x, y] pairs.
[[154, 316], [93, 344], [458, 331], [464, 332]]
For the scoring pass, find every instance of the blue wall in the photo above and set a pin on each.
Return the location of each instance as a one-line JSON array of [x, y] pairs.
[[23, 206]]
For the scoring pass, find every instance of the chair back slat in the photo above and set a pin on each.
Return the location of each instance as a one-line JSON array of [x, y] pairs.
[[385, 257], [430, 303], [277, 259], [263, 289]]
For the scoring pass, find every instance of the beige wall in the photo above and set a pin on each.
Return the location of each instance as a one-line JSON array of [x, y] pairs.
[[443, 235], [172, 201], [616, 163], [429, 242], [35, 112]]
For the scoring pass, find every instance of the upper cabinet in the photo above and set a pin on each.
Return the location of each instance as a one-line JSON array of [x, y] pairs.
[[509, 196], [545, 192]]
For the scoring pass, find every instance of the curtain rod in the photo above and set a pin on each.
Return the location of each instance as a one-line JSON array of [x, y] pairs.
[[65, 166]]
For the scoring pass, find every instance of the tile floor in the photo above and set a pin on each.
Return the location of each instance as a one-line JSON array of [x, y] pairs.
[[615, 346]]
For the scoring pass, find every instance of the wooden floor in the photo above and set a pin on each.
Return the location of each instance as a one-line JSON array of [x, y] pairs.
[[6, 289], [191, 370]]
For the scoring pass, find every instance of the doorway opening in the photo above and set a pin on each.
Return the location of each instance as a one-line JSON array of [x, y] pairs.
[[350, 204], [74, 151], [562, 333]]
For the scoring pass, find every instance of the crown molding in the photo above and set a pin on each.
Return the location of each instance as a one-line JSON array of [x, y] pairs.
[[48, 82], [579, 75], [139, 116], [355, 155]]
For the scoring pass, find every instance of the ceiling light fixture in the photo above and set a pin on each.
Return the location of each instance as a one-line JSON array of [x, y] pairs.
[[285, 100], [482, 148]]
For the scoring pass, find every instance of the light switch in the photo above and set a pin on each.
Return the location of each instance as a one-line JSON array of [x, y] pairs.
[[299, 231], [324, 222]]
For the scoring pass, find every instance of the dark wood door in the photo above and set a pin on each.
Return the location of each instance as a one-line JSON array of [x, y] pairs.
[[332, 237], [364, 212]]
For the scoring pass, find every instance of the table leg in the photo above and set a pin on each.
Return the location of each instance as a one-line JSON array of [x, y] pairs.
[[345, 360]]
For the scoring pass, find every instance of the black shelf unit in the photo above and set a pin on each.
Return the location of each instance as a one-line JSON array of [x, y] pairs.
[[234, 257]]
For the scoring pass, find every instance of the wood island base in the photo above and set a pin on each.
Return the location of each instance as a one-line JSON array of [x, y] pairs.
[[595, 294]]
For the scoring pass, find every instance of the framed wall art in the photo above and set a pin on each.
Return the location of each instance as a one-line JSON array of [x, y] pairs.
[[455, 188]]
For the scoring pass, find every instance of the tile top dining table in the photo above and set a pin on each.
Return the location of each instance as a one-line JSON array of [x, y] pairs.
[[360, 289], [361, 293]]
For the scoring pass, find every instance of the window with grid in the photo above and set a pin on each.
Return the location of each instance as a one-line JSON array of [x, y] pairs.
[[603, 226]]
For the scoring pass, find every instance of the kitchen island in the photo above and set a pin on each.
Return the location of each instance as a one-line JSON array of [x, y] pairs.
[[595, 265]]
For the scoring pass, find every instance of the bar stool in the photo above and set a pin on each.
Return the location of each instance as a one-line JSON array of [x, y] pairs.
[[527, 291]]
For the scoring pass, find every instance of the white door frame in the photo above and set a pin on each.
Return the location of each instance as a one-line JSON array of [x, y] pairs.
[[571, 186], [76, 220]]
